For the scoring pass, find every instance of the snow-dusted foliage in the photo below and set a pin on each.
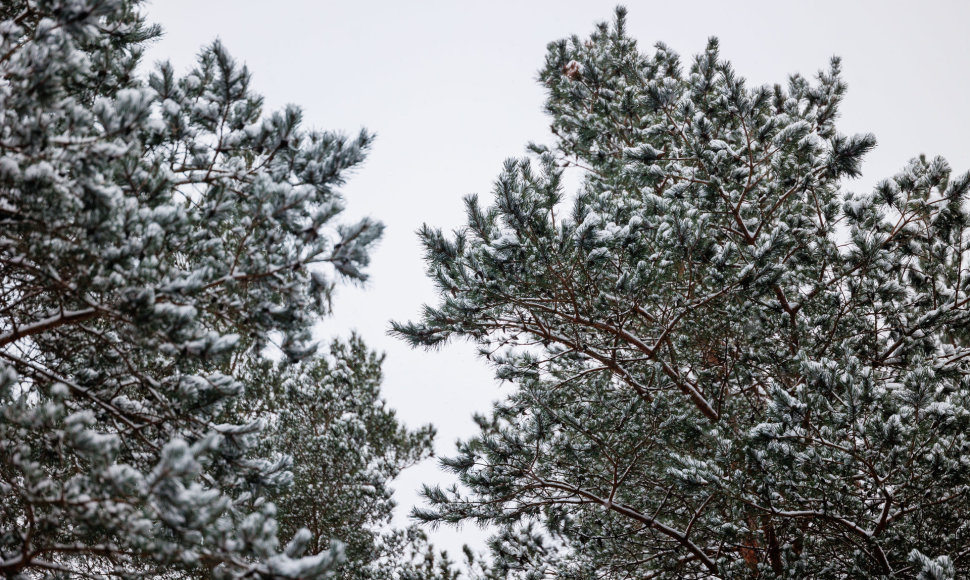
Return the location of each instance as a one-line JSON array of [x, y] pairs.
[[346, 447], [725, 365], [153, 233]]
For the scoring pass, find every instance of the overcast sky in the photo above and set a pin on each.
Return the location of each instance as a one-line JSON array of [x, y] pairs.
[[449, 88]]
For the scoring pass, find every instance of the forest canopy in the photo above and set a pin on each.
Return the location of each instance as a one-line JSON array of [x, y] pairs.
[[720, 362]]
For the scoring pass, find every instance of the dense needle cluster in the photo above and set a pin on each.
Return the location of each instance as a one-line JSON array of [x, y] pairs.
[[724, 365]]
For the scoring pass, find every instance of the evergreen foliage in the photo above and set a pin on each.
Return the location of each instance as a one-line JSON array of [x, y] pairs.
[[157, 237], [346, 446], [724, 364]]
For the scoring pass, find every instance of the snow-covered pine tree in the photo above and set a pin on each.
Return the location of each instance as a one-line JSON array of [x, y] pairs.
[[154, 234], [346, 446], [724, 365]]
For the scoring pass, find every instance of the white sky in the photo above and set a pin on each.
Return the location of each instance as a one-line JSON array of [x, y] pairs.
[[449, 88]]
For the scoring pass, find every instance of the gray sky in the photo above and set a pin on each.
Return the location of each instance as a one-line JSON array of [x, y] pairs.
[[449, 88]]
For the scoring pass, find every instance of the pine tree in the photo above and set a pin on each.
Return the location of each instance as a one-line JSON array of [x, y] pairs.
[[346, 447], [724, 364], [157, 236]]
